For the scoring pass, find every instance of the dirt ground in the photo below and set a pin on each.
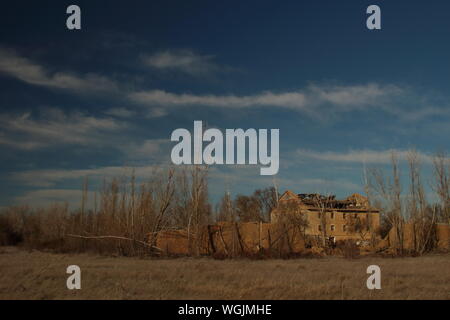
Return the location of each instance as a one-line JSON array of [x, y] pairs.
[[41, 275]]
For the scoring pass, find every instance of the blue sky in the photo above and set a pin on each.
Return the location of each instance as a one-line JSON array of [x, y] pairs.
[[106, 98]]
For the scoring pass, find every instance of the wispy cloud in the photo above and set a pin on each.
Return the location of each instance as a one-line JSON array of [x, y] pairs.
[[54, 127], [185, 61], [20, 144], [422, 112], [154, 150], [30, 72], [49, 178], [361, 156], [156, 113], [319, 101], [121, 112], [342, 98]]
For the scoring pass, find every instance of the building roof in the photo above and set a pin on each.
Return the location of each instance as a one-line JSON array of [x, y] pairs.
[[315, 201]]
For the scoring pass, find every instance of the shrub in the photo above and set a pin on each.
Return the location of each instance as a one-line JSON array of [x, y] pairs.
[[8, 236]]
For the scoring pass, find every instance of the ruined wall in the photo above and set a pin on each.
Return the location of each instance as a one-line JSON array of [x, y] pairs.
[[173, 242], [232, 239], [178, 242], [236, 239], [442, 236]]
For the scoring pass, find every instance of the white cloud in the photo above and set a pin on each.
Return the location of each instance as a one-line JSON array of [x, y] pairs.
[[20, 144], [49, 178], [353, 97], [159, 97], [361, 156], [156, 113], [150, 149], [342, 98], [182, 60], [55, 127], [413, 115], [121, 112], [26, 70], [319, 101]]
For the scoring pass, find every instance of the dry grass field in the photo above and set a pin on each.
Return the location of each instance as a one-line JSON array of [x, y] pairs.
[[40, 275]]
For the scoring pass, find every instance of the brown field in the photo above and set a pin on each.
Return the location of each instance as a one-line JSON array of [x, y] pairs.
[[41, 275]]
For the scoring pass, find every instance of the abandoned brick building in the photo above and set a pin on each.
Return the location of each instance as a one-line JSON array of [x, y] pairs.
[[316, 218], [350, 218]]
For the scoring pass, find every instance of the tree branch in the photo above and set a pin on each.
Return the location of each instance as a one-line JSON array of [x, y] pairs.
[[145, 244]]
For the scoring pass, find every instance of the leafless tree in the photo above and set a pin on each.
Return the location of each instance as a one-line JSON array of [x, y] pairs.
[[291, 225], [360, 226], [267, 200], [422, 219], [199, 212], [389, 190], [256, 207], [369, 220], [226, 210], [441, 168], [323, 203], [163, 190]]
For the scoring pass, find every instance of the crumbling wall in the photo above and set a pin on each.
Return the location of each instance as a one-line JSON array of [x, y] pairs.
[[442, 237], [232, 239], [173, 242], [236, 239], [178, 242]]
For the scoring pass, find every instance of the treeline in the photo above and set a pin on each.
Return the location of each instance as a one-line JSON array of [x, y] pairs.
[[409, 206], [126, 217]]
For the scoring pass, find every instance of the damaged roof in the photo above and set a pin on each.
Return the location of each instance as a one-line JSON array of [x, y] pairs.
[[316, 201]]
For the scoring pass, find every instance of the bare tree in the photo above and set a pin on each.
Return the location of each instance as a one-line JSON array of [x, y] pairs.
[[369, 220], [441, 168], [256, 207], [389, 190], [84, 199], [248, 208], [164, 189], [267, 199], [199, 208], [291, 225], [323, 203], [226, 210], [422, 216], [359, 225]]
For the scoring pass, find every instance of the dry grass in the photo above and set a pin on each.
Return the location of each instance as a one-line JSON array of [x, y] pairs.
[[40, 275]]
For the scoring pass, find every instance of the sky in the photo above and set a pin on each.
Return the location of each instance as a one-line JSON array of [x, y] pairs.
[[99, 101]]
